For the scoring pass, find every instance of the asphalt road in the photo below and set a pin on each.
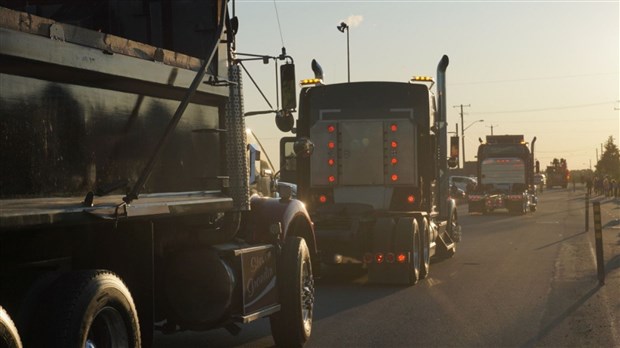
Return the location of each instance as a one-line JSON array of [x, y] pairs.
[[516, 281]]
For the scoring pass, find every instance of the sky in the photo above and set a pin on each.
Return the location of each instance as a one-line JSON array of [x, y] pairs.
[[545, 69]]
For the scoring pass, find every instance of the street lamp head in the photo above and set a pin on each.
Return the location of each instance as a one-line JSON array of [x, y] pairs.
[[342, 27]]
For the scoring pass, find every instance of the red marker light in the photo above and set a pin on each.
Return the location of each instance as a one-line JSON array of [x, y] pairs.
[[331, 145], [379, 257], [394, 177], [331, 178], [394, 128], [401, 258], [394, 160], [411, 199], [394, 144], [331, 161], [322, 199], [331, 128]]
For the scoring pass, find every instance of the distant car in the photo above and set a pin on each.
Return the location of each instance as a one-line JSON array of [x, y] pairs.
[[540, 179], [462, 182], [457, 193]]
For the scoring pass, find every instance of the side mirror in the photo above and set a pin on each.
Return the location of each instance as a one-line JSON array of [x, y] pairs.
[[287, 85], [453, 162], [303, 147], [285, 120]]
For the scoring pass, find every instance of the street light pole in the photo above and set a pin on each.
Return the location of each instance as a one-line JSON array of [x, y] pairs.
[[342, 27], [462, 130], [491, 126]]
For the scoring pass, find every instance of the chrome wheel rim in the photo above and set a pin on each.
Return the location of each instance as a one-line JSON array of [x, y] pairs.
[[307, 294], [107, 330]]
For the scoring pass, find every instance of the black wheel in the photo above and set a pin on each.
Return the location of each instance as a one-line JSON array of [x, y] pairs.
[[292, 325], [532, 208], [9, 337], [414, 275], [88, 309], [454, 229], [425, 254]]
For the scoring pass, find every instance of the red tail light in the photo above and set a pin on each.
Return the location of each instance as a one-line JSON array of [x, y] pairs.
[[379, 257], [331, 162], [331, 178], [393, 127], [394, 177], [394, 160], [322, 198], [410, 199], [394, 144], [331, 145], [331, 128], [401, 257]]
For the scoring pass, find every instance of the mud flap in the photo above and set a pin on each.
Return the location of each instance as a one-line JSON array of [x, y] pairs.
[[446, 246], [392, 235]]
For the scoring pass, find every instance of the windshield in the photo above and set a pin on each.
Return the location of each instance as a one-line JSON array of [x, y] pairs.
[[503, 171]]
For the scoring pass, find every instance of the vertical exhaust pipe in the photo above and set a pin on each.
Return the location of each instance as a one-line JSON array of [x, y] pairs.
[[442, 141]]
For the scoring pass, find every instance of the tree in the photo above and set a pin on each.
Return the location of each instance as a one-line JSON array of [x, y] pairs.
[[609, 164]]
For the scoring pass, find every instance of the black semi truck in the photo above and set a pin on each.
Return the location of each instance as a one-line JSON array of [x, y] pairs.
[[376, 185], [125, 201]]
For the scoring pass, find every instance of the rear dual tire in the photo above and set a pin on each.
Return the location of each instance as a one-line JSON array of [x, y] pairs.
[[86, 309], [425, 252], [9, 337]]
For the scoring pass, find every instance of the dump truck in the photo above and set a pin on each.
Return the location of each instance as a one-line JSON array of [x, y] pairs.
[[376, 184], [506, 169], [126, 203], [557, 173]]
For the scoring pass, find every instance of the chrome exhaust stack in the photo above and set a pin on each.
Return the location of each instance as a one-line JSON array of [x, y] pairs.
[[442, 137]]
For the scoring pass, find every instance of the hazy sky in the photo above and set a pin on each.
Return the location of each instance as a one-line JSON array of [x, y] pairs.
[[548, 69]]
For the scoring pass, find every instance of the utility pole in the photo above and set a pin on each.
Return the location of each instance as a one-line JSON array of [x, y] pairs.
[[462, 129], [597, 155], [457, 134]]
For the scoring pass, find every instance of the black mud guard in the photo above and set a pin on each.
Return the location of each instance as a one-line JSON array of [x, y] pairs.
[[288, 217], [392, 234]]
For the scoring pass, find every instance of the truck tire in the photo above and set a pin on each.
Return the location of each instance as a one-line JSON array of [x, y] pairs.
[[415, 255], [454, 229], [89, 308], [292, 325], [425, 252], [406, 237], [9, 337]]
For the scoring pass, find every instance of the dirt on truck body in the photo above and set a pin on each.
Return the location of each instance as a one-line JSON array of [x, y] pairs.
[[126, 202]]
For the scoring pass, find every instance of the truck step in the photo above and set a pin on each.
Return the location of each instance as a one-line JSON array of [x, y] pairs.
[[446, 247]]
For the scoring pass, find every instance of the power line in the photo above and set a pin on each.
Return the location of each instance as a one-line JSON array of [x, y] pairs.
[[544, 109], [531, 79]]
